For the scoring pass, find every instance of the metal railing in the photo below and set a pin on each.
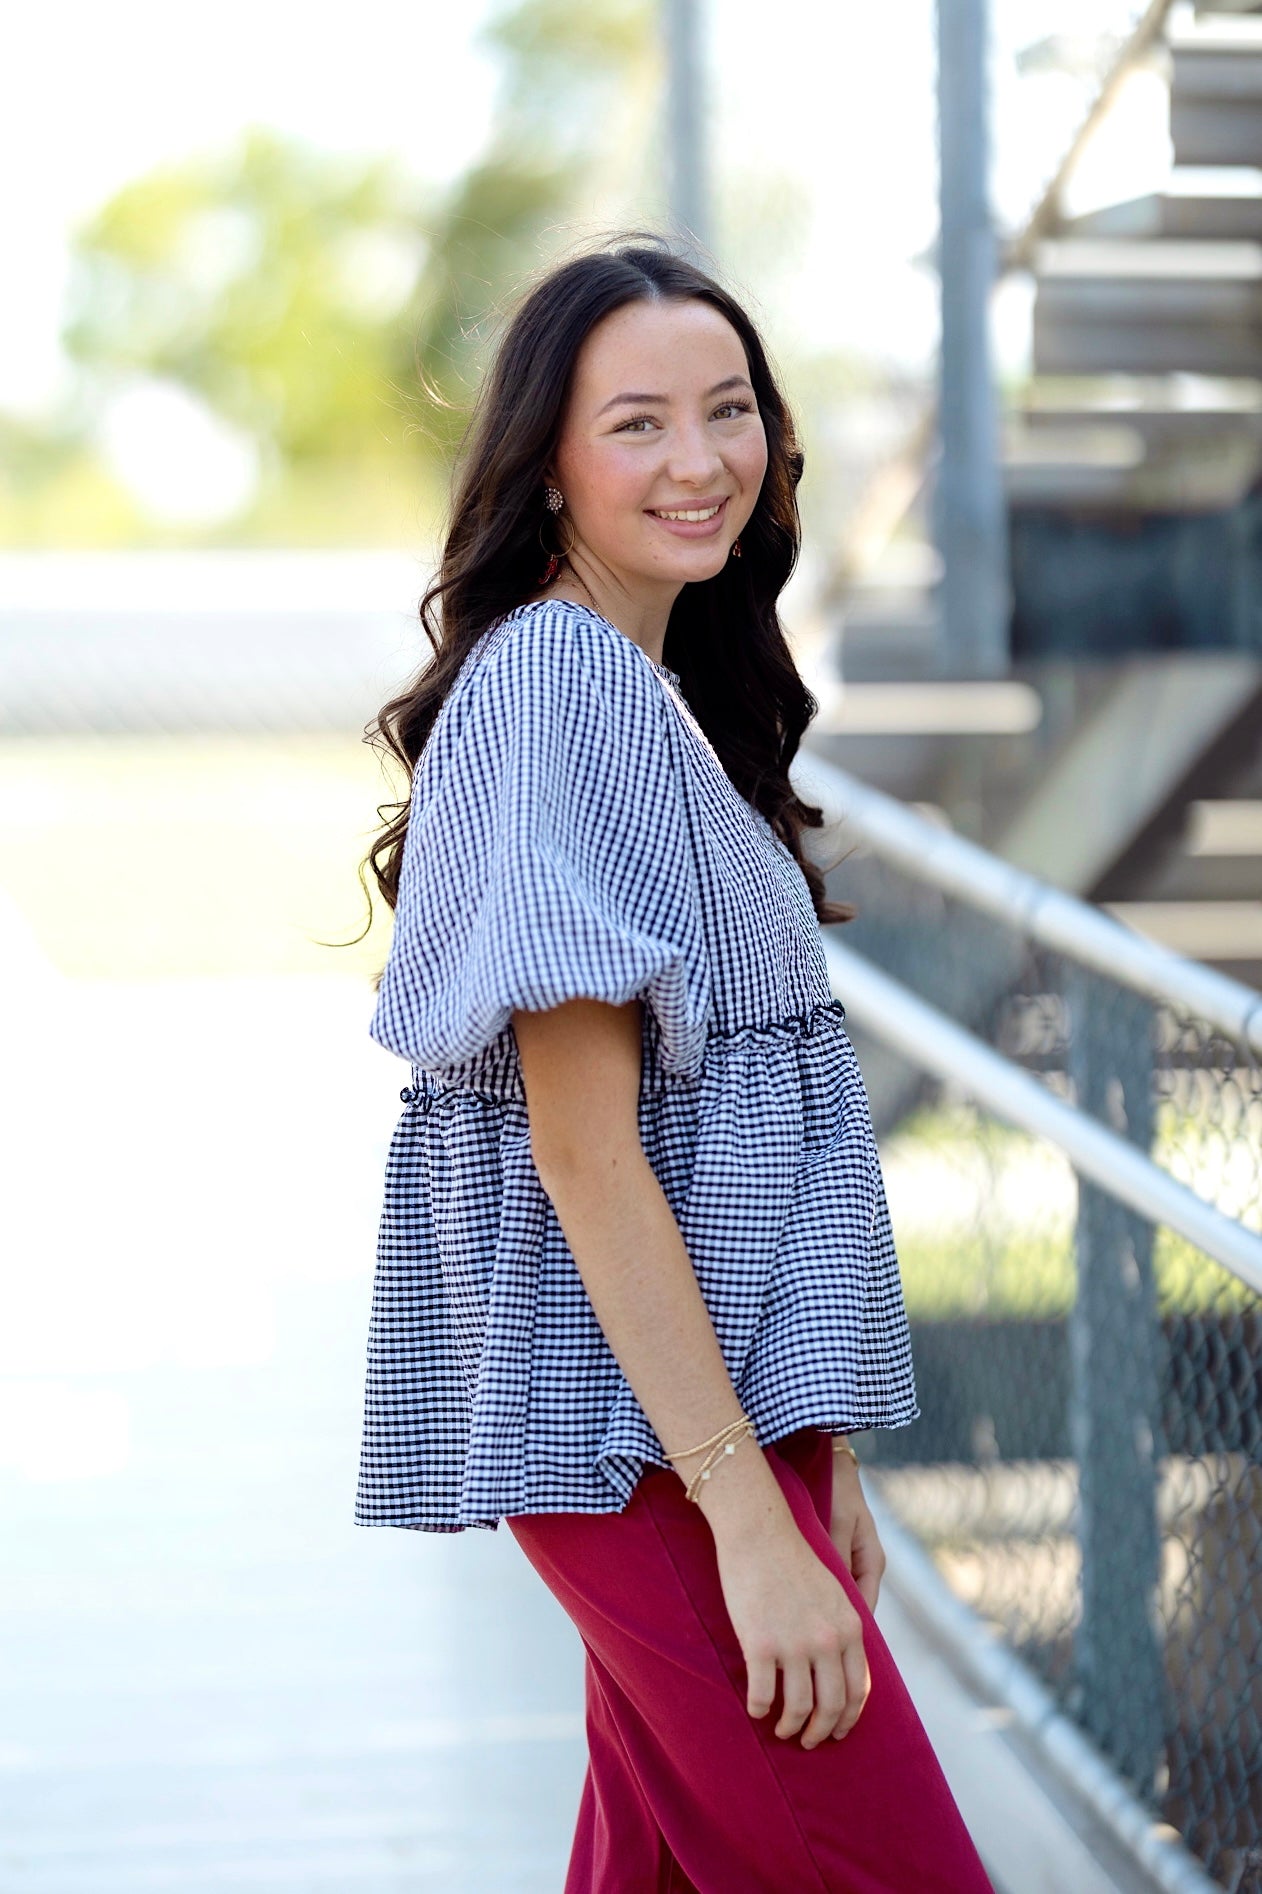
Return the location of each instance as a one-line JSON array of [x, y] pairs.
[[1071, 1125]]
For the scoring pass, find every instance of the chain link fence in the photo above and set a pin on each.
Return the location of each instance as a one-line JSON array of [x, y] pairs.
[[1087, 1471]]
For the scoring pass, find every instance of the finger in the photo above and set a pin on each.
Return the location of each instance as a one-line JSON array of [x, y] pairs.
[[799, 1697], [866, 1565], [830, 1699], [854, 1662], [760, 1685], [842, 1531]]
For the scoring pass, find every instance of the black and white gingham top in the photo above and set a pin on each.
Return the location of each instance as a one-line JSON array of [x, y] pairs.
[[573, 834]]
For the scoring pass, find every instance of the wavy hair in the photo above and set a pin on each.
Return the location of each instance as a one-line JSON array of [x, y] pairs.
[[724, 636]]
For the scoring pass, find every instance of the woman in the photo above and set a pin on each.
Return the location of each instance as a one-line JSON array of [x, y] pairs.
[[636, 1281]]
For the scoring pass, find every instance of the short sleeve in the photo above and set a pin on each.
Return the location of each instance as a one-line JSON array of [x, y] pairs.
[[548, 855]]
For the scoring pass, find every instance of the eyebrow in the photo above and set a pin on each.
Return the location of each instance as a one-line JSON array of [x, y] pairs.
[[720, 387]]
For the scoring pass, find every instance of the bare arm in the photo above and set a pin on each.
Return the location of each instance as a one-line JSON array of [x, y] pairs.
[[581, 1066]]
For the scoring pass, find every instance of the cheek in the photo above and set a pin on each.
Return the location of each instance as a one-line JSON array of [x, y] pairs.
[[751, 461], [609, 495], [607, 484]]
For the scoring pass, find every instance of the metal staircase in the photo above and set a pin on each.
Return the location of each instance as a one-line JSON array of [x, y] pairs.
[[1139, 436], [1162, 296]]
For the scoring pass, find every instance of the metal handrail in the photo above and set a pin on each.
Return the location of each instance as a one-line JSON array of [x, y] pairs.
[[926, 1037], [1003, 1678], [1056, 920]]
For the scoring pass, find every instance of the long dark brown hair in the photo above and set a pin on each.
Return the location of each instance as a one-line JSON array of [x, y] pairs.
[[724, 636]]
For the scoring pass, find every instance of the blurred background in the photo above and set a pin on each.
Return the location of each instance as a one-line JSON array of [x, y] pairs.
[[1009, 259]]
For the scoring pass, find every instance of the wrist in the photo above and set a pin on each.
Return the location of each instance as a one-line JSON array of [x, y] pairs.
[[745, 1503], [697, 1465]]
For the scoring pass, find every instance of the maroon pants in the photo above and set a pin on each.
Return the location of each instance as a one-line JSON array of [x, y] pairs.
[[685, 1792]]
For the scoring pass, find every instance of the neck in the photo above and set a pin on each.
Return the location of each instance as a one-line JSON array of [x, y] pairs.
[[643, 621]]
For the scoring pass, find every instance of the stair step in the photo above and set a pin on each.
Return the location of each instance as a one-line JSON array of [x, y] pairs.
[[1232, 440], [1217, 59], [1116, 467], [1230, 826], [887, 636], [1142, 267], [1143, 456], [1217, 130], [1217, 854], [932, 707], [1187, 878], [1109, 442], [1157, 307], [1220, 932], [1193, 346], [1092, 466], [1197, 216], [1158, 418], [1216, 91]]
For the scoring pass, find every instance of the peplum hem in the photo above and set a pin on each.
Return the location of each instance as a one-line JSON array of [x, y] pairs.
[[497, 1394]]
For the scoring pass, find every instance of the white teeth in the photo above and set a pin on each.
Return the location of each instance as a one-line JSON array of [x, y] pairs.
[[707, 513]]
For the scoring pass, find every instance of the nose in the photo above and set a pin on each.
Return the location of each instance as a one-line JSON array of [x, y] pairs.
[[694, 456]]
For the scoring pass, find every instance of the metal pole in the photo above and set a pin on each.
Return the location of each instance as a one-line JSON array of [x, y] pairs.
[[1115, 1417], [971, 522], [689, 183]]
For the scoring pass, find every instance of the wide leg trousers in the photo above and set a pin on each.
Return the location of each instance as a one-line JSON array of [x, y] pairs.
[[685, 1793]]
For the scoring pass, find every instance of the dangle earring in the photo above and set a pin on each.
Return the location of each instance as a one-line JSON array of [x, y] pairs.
[[554, 500], [736, 547]]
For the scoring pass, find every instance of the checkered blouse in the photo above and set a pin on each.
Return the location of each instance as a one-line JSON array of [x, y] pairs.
[[572, 835]]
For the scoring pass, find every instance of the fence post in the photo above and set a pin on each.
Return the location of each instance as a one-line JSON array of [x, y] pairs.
[[1114, 1418]]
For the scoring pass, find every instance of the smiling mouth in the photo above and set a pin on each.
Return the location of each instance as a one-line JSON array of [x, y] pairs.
[[695, 515]]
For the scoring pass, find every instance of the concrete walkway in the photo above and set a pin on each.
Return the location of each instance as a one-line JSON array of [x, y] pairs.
[[212, 1678]]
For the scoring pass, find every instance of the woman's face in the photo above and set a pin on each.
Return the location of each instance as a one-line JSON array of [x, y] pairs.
[[661, 422]]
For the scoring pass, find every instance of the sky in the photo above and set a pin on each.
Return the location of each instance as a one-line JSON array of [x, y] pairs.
[[108, 92], [837, 98]]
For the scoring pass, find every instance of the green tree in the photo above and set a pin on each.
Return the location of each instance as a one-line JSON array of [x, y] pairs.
[[572, 140], [338, 311], [270, 283], [335, 309]]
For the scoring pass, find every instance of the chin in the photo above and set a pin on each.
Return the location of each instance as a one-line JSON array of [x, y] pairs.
[[697, 570]]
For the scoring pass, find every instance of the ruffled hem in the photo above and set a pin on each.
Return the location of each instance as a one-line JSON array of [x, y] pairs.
[[493, 1389], [620, 1472]]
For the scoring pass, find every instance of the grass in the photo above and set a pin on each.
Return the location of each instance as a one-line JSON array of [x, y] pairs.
[[984, 1219], [1032, 1278]]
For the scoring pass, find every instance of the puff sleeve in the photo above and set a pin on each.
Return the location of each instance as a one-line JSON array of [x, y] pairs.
[[548, 855]]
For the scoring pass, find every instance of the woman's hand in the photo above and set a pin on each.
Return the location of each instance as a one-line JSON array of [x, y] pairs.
[[853, 1530], [790, 1614]]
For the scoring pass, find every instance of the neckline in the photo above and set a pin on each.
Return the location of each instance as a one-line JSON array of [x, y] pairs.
[[663, 670]]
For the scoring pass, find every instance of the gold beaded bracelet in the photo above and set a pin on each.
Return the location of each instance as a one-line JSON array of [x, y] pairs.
[[729, 1445], [715, 1440], [843, 1446], [715, 1449]]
